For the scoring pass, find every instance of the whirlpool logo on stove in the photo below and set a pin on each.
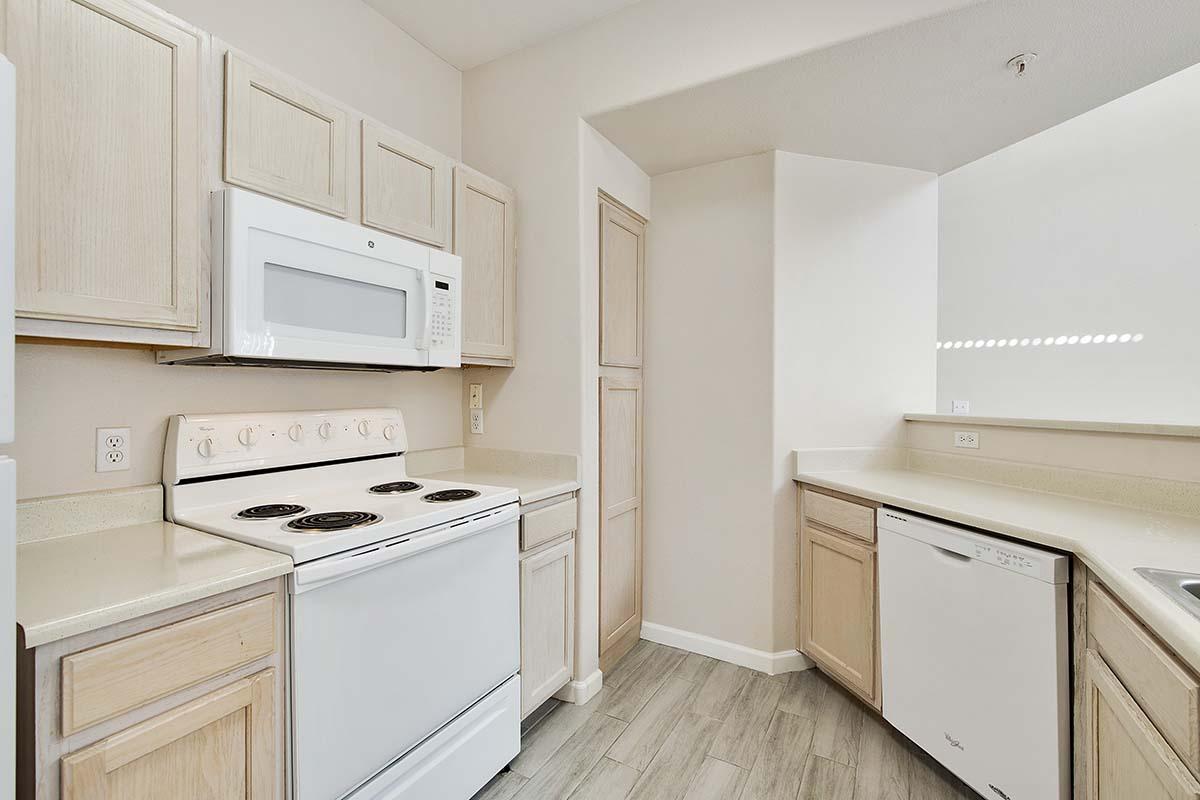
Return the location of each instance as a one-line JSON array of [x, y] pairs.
[[999, 791], [953, 742]]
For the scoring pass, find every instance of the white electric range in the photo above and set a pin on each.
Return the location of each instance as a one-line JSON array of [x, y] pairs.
[[404, 638]]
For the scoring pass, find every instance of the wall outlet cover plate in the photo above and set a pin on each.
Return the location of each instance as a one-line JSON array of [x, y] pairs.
[[112, 449]]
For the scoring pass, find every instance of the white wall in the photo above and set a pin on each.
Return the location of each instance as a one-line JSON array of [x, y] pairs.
[[855, 321], [1087, 228], [709, 548], [64, 393]]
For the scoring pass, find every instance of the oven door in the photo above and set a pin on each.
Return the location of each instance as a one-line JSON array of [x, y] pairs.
[[300, 286], [393, 641]]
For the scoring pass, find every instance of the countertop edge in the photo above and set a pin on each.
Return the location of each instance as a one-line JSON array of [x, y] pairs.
[[39, 634], [1158, 612]]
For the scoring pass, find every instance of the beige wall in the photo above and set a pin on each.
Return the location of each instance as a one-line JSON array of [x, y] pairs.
[[64, 393], [709, 517]]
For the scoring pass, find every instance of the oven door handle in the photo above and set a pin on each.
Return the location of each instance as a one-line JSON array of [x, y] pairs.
[[321, 573]]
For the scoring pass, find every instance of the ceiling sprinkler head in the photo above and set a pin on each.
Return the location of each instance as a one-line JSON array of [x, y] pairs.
[[1020, 64]]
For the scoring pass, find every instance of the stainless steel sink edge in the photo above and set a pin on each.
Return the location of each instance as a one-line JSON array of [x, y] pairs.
[[1182, 587]]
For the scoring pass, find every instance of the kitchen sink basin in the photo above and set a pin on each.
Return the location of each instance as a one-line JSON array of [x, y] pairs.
[[1182, 587]]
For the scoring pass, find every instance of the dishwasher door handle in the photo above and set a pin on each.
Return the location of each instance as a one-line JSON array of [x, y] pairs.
[[951, 556]]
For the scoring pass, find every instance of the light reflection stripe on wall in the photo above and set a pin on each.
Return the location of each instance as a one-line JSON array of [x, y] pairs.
[[1048, 341]]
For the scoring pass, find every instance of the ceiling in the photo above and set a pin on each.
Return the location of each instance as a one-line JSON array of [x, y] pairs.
[[467, 33], [933, 94]]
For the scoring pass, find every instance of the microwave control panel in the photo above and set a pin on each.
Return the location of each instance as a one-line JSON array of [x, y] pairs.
[[443, 315]]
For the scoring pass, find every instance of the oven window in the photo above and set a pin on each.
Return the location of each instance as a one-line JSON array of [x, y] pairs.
[[311, 300]]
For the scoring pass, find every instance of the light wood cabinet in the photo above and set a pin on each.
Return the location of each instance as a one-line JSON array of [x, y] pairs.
[[622, 279], [839, 591], [405, 186], [1126, 755], [111, 206], [218, 747], [184, 703], [547, 622], [620, 516], [283, 140], [485, 236]]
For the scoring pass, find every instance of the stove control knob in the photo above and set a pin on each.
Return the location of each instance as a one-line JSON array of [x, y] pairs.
[[205, 448], [248, 436], [364, 428], [295, 432], [325, 431], [389, 432]]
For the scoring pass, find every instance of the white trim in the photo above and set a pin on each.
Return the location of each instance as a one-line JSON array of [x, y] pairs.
[[761, 660], [579, 692]]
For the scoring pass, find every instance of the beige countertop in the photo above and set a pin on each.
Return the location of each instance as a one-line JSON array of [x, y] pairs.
[[74, 584], [1112, 540], [532, 488]]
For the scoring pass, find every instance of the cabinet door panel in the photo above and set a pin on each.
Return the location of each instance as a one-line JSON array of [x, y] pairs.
[[547, 623], [108, 169], [282, 140], [406, 185], [1126, 756], [219, 747], [838, 595], [621, 510], [485, 231], [622, 265]]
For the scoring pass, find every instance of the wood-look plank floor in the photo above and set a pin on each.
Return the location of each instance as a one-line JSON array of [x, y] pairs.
[[670, 725]]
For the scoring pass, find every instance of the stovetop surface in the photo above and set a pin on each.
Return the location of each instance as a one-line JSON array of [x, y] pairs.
[[214, 505]]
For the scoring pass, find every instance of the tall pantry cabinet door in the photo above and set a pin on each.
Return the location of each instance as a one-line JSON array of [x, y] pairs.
[[620, 516], [405, 185], [109, 194], [283, 141], [221, 746], [485, 235], [622, 268]]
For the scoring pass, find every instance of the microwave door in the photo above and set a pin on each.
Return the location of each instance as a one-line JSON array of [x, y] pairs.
[[300, 301]]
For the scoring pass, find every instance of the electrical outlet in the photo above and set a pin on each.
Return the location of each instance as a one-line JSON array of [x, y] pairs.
[[112, 449], [960, 406], [476, 420], [476, 395], [967, 439]]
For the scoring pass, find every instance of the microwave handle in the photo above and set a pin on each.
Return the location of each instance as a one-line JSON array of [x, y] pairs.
[[426, 339]]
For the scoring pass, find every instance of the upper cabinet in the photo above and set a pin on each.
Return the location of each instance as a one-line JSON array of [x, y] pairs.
[[111, 205], [282, 140], [622, 268], [405, 186], [485, 235]]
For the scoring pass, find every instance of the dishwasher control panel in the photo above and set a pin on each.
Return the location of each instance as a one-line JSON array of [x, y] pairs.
[[1023, 559]]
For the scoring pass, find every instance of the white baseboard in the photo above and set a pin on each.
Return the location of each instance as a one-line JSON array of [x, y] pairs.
[[579, 692], [761, 660]]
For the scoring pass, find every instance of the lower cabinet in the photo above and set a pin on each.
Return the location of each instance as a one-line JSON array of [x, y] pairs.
[[184, 703], [839, 609], [1126, 756], [218, 747], [547, 623]]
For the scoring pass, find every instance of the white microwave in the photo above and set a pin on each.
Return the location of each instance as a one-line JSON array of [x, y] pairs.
[[295, 288]]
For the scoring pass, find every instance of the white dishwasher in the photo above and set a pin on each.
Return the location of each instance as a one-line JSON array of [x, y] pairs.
[[974, 651]]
